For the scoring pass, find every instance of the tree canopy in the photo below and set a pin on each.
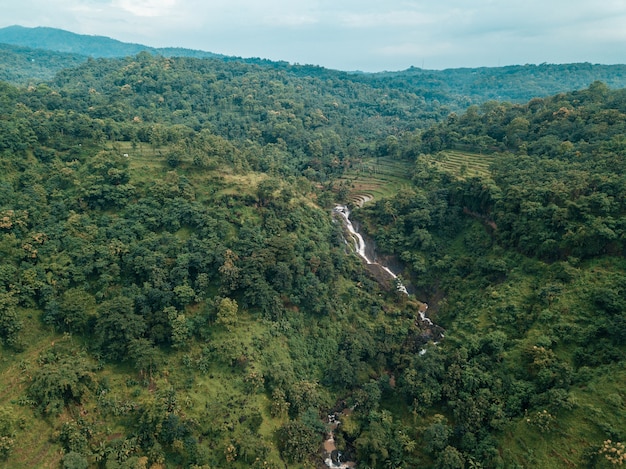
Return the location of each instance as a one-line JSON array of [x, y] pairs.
[[175, 292]]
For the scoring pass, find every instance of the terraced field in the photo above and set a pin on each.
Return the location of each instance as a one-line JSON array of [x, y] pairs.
[[375, 178], [461, 164]]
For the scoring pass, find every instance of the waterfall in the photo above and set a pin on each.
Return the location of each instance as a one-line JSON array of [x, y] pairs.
[[359, 246], [332, 455]]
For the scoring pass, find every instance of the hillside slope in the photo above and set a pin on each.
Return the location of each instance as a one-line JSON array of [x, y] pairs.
[[23, 65], [174, 291]]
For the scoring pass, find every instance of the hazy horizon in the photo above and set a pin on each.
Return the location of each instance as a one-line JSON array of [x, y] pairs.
[[350, 35]]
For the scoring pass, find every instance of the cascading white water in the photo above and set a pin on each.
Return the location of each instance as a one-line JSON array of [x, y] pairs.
[[359, 245]]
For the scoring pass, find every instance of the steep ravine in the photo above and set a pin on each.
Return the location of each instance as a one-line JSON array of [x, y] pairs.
[[380, 271], [432, 332]]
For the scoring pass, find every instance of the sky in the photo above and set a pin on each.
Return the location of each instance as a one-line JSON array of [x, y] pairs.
[[361, 35]]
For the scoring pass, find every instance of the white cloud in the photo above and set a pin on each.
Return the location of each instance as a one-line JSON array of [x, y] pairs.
[[396, 18], [146, 8], [414, 50], [290, 20]]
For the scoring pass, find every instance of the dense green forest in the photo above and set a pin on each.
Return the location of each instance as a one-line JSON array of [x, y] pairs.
[[175, 292], [22, 65], [526, 263], [514, 83]]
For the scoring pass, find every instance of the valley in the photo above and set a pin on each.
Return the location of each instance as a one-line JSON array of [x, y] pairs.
[[175, 290]]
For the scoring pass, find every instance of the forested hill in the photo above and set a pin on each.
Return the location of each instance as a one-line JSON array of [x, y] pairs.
[[568, 164], [174, 291], [297, 121], [455, 88], [514, 83], [22, 65], [515, 229]]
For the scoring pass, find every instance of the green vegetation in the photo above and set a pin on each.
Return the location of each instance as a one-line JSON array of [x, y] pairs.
[[21, 65], [456, 89], [525, 263], [463, 87], [174, 291], [376, 178], [461, 165]]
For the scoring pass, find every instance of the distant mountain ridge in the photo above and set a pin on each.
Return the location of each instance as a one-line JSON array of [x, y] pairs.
[[515, 83], [60, 40], [28, 55]]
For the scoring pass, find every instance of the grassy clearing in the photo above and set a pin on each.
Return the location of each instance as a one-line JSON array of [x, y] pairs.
[[148, 163], [220, 393], [33, 446], [575, 432], [223, 393], [141, 155], [596, 404]]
